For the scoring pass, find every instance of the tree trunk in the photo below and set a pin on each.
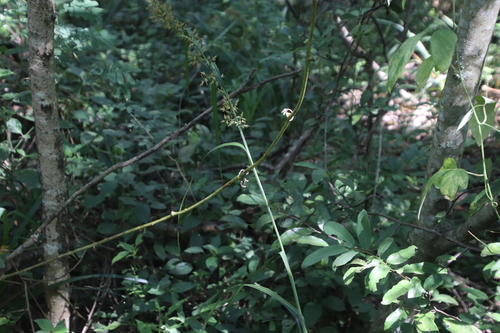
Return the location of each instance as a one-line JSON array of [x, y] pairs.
[[478, 18], [41, 17], [475, 29]]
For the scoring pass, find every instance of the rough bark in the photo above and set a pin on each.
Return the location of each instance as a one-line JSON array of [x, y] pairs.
[[41, 17], [478, 18]]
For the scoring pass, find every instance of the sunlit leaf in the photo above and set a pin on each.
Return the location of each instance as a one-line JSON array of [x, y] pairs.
[[442, 48], [400, 289], [322, 253], [491, 249], [337, 229], [400, 59], [455, 326], [402, 255], [425, 323], [377, 273], [344, 258], [363, 230]]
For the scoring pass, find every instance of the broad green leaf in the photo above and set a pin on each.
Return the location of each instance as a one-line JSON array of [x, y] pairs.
[[182, 286], [14, 126], [492, 270], [395, 319], [476, 295], [455, 326], [402, 255], [424, 268], [274, 295], [337, 229], [450, 181], [251, 199], [482, 198], [377, 273], [400, 59], [448, 164], [425, 323], [263, 220], [291, 235], [363, 230], [491, 249], [386, 245], [311, 240], [5, 72], [344, 258], [433, 282], [483, 119], [494, 316], [160, 250], [228, 144], [391, 296], [424, 71], [443, 47], [351, 272], [119, 256], [44, 324], [322, 253], [443, 298]]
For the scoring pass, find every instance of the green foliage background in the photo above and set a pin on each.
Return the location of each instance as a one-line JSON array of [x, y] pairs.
[[125, 82]]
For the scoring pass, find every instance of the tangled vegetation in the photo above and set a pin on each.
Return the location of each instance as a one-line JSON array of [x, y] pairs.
[[250, 166]]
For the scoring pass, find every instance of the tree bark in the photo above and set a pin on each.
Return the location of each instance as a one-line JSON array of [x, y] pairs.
[[475, 29], [41, 17]]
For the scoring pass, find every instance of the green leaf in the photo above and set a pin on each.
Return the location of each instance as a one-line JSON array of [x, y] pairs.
[[322, 253], [311, 240], [278, 298], [400, 59], [344, 258], [377, 273], [182, 286], [44, 324], [119, 256], [424, 71], [395, 319], [15, 126], [5, 72], [425, 323], [60, 327], [293, 234], [483, 119], [228, 144], [455, 326], [494, 316], [443, 47], [433, 282], [363, 230], [450, 181], [351, 272], [443, 298], [337, 229], [160, 250], [402, 255], [251, 199], [391, 296], [491, 249]]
